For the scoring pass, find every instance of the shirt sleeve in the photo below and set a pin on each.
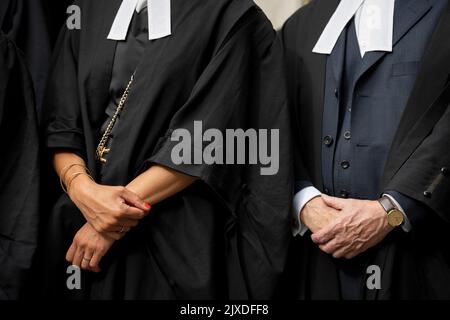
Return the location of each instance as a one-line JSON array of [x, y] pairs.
[[301, 198]]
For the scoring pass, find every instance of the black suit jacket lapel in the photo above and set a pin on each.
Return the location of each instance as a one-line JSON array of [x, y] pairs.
[[421, 113], [410, 16]]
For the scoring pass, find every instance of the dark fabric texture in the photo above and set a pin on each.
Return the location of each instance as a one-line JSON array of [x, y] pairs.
[[24, 21], [19, 175], [56, 14], [225, 236], [416, 264]]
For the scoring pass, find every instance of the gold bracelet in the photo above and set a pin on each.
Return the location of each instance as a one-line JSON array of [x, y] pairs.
[[76, 175], [66, 169]]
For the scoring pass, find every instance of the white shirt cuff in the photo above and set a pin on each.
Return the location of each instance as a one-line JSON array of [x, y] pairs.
[[300, 200], [407, 224]]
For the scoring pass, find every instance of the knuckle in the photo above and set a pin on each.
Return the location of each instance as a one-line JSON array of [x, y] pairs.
[[113, 236], [141, 214], [110, 225], [76, 240], [103, 227], [331, 249], [114, 219], [339, 226], [134, 214], [118, 213], [326, 250], [97, 227]]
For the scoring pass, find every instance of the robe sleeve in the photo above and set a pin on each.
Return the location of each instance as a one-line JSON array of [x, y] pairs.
[[242, 88], [425, 176], [62, 113]]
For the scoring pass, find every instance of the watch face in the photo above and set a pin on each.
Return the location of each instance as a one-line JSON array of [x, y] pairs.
[[395, 218]]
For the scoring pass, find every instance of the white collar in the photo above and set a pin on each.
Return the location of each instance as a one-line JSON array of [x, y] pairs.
[[159, 18], [374, 21]]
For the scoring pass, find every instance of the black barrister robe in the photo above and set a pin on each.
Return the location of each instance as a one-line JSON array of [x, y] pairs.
[[19, 174], [24, 21], [414, 265], [226, 235]]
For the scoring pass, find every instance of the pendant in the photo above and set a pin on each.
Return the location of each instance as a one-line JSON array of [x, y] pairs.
[[101, 152]]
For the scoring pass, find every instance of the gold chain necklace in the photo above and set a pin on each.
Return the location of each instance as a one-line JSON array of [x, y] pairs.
[[101, 148]]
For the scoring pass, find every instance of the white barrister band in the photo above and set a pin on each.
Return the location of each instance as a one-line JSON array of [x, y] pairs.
[[374, 22], [159, 18]]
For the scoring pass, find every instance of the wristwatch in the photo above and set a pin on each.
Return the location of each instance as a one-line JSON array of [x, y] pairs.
[[395, 216]]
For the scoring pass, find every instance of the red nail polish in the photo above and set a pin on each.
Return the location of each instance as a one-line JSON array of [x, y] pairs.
[[148, 206]]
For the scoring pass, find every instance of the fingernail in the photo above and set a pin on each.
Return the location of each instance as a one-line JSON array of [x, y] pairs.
[[147, 205]]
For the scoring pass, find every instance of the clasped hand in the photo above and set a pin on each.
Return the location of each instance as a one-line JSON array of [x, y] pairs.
[[344, 228], [110, 212]]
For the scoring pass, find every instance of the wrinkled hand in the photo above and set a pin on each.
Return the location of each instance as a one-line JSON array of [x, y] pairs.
[[88, 248], [316, 214], [108, 209], [360, 225]]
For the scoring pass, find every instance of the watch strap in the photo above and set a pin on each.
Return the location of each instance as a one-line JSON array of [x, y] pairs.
[[387, 204]]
